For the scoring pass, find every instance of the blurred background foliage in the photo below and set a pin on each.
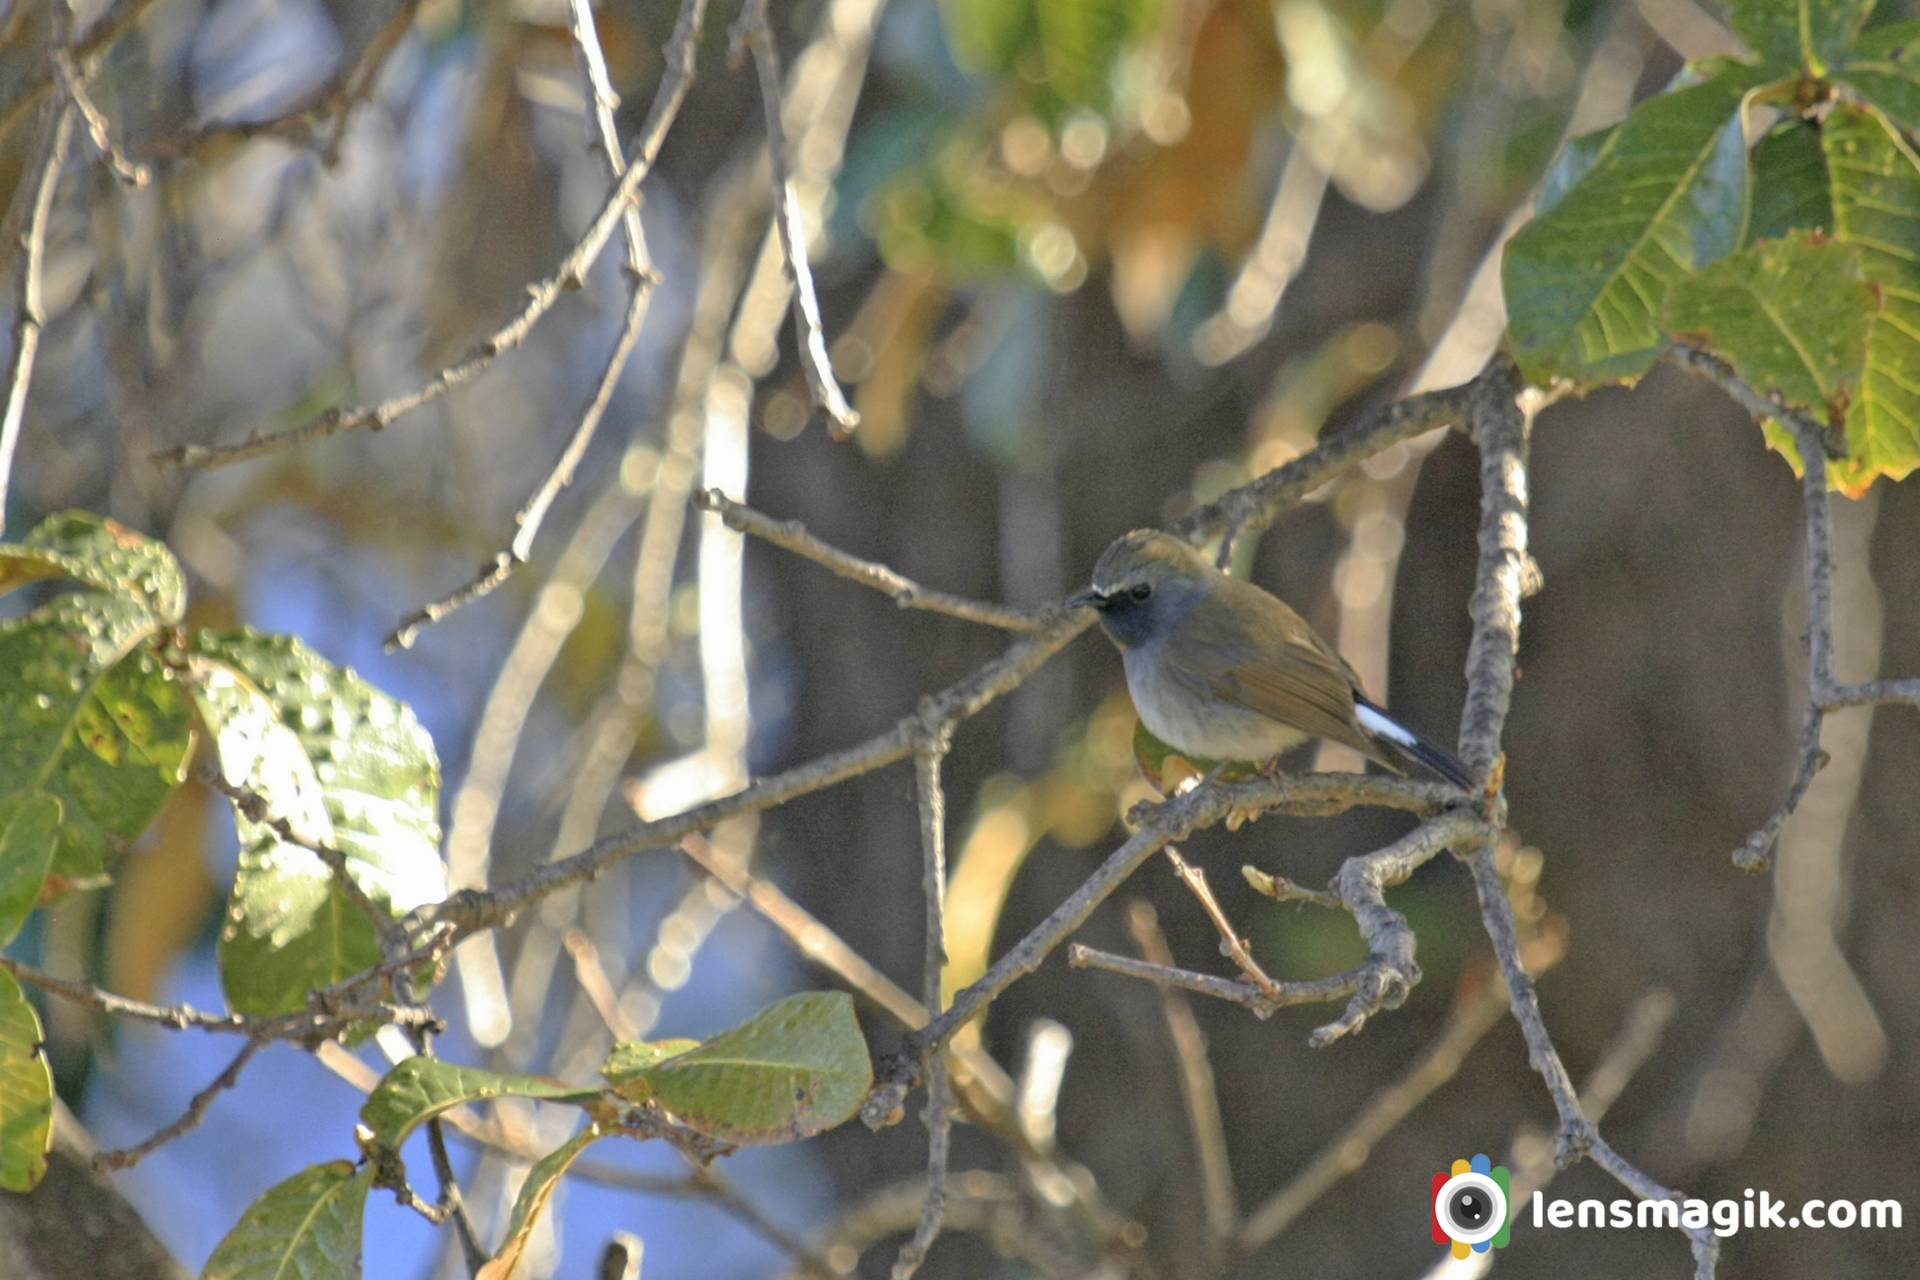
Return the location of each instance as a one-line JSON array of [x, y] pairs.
[[1085, 263]]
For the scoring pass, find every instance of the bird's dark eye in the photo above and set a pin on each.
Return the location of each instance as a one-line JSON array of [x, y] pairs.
[[1141, 590]]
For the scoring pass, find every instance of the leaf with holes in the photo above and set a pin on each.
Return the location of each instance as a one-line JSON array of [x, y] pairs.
[[1884, 65], [1666, 194], [344, 765], [1799, 33], [29, 830], [26, 1091], [542, 1181], [89, 713], [418, 1089], [1791, 316], [1876, 206], [104, 554], [309, 1226], [798, 1067]]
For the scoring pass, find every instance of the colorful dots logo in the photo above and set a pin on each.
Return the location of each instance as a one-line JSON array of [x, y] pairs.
[[1470, 1207]]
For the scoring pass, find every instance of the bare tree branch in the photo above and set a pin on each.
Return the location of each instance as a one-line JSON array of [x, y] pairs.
[[927, 755], [74, 85], [1263, 1006], [751, 32], [675, 81], [905, 592], [127, 1157], [1219, 1203], [29, 318]]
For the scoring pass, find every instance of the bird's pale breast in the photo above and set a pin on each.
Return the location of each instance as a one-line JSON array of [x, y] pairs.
[[1181, 714]]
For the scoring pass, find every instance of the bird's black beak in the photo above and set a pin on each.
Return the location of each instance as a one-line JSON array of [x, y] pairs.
[[1088, 599]]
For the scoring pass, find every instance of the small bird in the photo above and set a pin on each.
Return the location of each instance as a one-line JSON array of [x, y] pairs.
[[1220, 669]]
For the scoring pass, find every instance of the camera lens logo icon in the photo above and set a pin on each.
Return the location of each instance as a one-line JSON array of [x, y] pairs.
[[1470, 1207]]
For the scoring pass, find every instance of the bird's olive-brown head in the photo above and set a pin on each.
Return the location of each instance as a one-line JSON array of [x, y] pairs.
[[1143, 582]]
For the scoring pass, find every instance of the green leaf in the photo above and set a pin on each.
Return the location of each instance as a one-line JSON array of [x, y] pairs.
[[630, 1058], [1884, 65], [542, 1180], [91, 716], [344, 765], [1576, 161], [29, 829], [988, 36], [102, 553], [1791, 316], [307, 1228], [1809, 33], [26, 1091], [1585, 281], [798, 1067], [1790, 190], [418, 1089], [1082, 41], [1876, 206]]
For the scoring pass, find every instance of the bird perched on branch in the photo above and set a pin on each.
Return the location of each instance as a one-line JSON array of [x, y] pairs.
[[1220, 669]]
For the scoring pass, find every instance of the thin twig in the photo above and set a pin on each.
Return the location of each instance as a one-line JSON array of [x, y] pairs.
[[1391, 972], [1219, 1203], [1231, 943], [792, 536], [253, 806], [927, 756], [1706, 365], [86, 52], [641, 279], [1169, 821], [29, 315], [587, 971], [305, 1027], [127, 1157], [983, 1086], [1286, 994], [675, 82], [1439, 1062], [750, 31], [329, 108], [452, 1203], [98, 130], [1250, 508]]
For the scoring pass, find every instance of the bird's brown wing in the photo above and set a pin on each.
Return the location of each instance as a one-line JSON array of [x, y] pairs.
[[1282, 670]]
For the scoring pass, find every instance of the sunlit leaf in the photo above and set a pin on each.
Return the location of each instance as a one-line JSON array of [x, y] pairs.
[[1884, 65], [307, 1228], [796, 1068], [29, 829], [418, 1089], [102, 553], [630, 1058], [1810, 33], [1876, 206], [26, 1091], [542, 1180], [91, 716], [344, 765], [1585, 282]]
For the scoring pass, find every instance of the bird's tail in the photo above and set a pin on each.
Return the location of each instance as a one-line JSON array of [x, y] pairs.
[[1436, 759]]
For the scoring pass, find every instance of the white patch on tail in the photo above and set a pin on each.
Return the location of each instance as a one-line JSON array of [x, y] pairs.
[[1377, 723]]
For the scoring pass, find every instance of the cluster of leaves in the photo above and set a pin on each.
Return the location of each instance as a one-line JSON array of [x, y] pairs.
[[1796, 259], [795, 1069], [102, 701]]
